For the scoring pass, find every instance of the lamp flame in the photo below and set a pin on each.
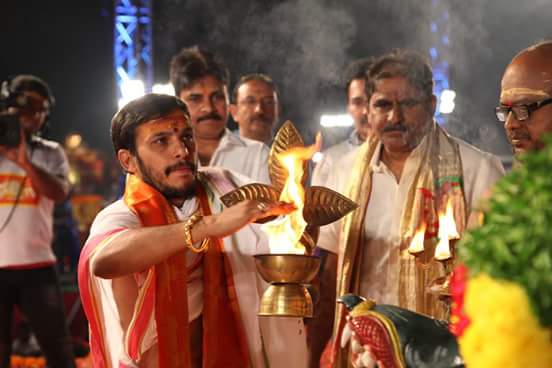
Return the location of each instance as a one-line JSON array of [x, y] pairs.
[[285, 232], [447, 231], [417, 243]]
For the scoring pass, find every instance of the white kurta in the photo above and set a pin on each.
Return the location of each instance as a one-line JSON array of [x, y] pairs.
[[241, 155], [380, 265], [331, 156], [282, 341]]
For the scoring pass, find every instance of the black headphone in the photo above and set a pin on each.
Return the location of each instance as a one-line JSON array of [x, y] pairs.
[[13, 97]]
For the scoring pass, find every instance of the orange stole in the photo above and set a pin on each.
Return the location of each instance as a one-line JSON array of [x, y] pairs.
[[222, 327], [224, 339]]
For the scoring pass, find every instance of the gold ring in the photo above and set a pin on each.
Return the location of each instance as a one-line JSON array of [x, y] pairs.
[[262, 206]]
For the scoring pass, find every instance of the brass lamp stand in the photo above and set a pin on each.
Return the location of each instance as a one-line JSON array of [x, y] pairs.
[[288, 274]]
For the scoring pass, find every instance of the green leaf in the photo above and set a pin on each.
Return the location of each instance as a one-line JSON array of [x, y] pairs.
[[515, 243]]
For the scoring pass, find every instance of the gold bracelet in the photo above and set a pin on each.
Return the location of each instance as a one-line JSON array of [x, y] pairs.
[[194, 219]]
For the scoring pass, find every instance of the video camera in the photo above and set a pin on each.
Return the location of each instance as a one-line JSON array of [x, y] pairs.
[[10, 126], [10, 135], [12, 95]]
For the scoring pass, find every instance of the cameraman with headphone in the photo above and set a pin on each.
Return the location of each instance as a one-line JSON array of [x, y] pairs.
[[33, 176]]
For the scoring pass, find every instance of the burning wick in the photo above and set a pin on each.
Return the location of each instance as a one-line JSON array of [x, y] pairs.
[[417, 243], [285, 232], [447, 231]]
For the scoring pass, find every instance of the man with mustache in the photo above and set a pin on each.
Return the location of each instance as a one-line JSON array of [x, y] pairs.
[[402, 178], [256, 107], [167, 277], [201, 81], [526, 98], [525, 109], [356, 107]]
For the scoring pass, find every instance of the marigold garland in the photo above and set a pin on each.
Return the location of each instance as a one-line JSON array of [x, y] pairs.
[[459, 321], [503, 330], [17, 361]]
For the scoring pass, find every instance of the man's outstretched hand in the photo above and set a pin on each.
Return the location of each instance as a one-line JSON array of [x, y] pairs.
[[233, 218]]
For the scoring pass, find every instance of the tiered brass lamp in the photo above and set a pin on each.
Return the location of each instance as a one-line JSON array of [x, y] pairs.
[[289, 274]]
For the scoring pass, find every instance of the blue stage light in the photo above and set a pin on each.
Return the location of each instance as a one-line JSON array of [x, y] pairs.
[[133, 43]]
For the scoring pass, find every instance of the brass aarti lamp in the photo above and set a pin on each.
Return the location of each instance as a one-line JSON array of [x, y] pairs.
[[288, 272], [441, 250]]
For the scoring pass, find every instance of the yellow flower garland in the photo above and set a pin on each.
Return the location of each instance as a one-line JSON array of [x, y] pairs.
[[503, 331]]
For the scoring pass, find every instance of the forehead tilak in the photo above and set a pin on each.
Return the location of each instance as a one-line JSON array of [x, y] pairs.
[[510, 94], [173, 123]]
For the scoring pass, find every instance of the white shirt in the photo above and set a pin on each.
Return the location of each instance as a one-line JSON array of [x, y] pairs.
[[26, 239], [117, 215], [332, 155], [241, 155], [379, 275]]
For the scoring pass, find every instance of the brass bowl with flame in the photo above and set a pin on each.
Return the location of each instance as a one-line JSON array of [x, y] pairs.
[[287, 275]]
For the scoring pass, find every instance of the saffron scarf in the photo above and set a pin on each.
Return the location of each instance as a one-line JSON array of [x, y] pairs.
[[163, 295], [224, 341]]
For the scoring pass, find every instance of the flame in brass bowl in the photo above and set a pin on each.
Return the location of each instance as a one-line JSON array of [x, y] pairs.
[[286, 268], [321, 205]]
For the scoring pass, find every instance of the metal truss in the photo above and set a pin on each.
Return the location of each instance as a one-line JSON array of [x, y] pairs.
[[439, 51], [133, 42]]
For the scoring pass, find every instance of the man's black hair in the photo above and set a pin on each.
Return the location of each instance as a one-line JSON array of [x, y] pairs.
[[401, 63], [250, 77], [135, 113], [194, 63], [27, 82], [357, 70]]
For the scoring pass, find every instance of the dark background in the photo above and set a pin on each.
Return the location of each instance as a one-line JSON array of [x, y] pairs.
[[303, 44]]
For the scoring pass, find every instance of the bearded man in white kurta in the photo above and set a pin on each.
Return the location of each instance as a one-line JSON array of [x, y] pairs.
[[167, 277], [402, 178]]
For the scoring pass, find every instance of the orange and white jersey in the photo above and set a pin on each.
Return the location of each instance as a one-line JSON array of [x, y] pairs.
[[26, 239]]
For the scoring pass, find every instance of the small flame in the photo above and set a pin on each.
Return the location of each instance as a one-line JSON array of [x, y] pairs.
[[417, 243], [285, 232], [447, 231]]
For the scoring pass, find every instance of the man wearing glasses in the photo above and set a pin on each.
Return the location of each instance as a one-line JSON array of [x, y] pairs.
[[525, 109], [526, 98], [256, 108]]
